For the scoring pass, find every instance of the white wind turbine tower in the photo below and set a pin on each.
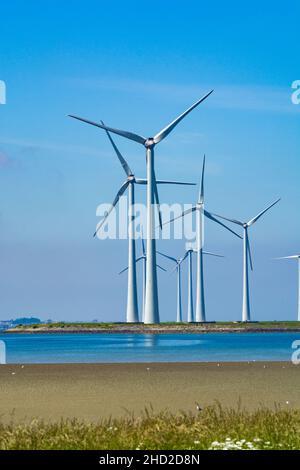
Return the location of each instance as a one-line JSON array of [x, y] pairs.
[[190, 285], [200, 213], [132, 315], [151, 305], [189, 256], [143, 258], [247, 258], [298, 258], [178, 270], [190, 313]]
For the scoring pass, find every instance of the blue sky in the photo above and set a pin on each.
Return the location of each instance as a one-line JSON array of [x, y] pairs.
[[137, 65]]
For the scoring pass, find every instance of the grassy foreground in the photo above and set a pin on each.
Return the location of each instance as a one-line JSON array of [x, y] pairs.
[[215, 428]]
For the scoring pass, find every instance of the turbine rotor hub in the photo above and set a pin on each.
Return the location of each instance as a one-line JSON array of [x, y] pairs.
[[149, 142]]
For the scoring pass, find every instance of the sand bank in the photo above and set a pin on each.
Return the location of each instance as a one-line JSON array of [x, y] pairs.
[[93, 391]]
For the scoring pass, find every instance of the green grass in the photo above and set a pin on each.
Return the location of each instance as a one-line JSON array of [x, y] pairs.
[[264, 325], [67, 325], [214, 427]]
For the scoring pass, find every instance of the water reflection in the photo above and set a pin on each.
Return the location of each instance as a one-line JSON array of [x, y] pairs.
[[150, 340]]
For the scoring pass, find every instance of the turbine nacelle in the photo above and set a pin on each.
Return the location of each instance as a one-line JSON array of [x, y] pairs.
[[149, 143]]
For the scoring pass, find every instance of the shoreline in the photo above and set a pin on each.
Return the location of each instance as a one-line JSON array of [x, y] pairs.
[[151, 330]]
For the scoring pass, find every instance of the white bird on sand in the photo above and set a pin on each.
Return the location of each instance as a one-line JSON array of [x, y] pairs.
[[198, 407]]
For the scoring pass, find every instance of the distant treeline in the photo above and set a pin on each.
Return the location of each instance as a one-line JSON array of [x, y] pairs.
[[23, 321]]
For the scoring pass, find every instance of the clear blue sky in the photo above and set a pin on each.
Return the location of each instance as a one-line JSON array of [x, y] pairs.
[[136, 65]]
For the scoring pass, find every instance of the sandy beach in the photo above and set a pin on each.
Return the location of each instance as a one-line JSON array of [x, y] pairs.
[[93, 391]]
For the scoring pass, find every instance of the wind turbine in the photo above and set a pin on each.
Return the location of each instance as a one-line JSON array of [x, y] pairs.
[[298, 258], [200, 213], [178, 269], [143, 258], [178, 262], [189, 256], [132, 315], [151, 305], [247, 257]]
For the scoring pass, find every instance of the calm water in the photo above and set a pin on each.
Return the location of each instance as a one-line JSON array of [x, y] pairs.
[[53, 348]]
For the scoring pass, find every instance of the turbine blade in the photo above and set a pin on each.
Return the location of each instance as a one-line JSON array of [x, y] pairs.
[[212, 254], [249, 251], [115, 202], [128, 135], [188, 211], [289, 257], [166, 131], [119, 155], [167, 256], [234, 221], [185, 256], [201, 192], [163, 269], [157, 199], [252, 221], [182, 259], [143, 245], [123, 270], [175, 269], [175, 182], [211, 217], [140, 181], [144, 181]]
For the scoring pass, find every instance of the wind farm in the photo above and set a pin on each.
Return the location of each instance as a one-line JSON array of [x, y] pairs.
[[154, 224], [132, 315], [151, 301], [150, 310]]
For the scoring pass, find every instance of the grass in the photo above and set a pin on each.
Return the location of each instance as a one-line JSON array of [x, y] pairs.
[[67, 325], [171, 326], [214, 427]]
